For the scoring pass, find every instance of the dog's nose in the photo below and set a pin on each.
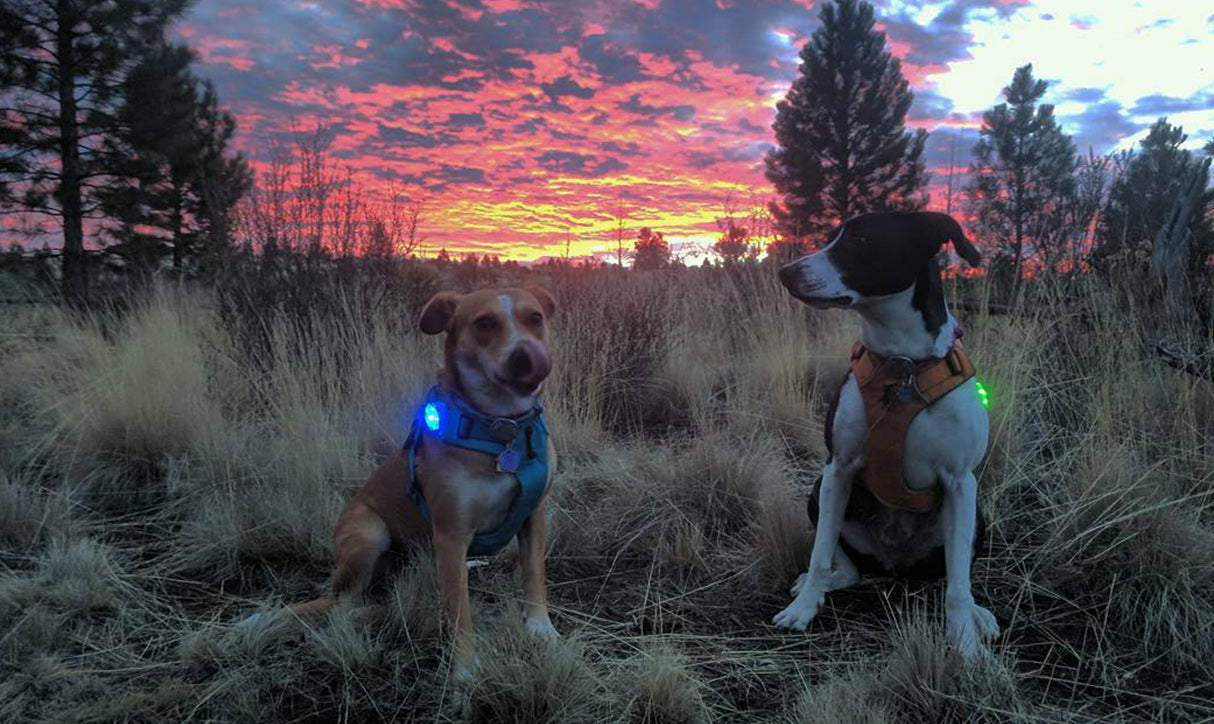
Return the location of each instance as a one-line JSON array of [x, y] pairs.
[[528, 363], [519, 364]]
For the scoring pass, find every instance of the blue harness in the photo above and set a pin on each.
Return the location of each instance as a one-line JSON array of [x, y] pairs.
[[519, 444]]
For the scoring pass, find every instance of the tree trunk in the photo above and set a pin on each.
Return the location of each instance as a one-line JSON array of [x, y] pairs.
[[1170, 249], [175, 221], [75, 269]]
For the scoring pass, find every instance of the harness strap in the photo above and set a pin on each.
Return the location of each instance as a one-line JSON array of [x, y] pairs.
[[894, 391]]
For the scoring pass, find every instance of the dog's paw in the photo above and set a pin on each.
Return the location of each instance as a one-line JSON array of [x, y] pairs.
[[802, 610], [970, 626], [988, 627], [541, 628], [463, 670], [460, 703], [795, 589]]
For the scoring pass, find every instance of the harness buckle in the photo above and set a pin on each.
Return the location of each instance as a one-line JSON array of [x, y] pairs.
[[504, 430], [902, 369], [904, 366]]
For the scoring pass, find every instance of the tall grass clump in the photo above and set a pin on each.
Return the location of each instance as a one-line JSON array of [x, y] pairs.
[[122, 391]]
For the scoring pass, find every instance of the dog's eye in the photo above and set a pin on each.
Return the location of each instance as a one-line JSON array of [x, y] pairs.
[[485, 324], [536, 319]]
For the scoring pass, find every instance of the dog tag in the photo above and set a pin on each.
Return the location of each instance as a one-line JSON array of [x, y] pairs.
[[507, 461]]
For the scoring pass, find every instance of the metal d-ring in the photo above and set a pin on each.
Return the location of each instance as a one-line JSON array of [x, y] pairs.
[[503, 430]]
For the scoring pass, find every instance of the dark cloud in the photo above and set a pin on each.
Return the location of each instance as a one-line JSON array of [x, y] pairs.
[[1083, 95], [404, 138], [459, 175], [635, 105], [1099, 126], [612, 64], [437, 179], [621, 149], [945, 39], [465, 120], [701, 160], [1161, 105], [579, 164], [566, 86], [734, 35], [748, 152], [565, 136], [958, 12], [530, 126], [929, 105], [746, 126]]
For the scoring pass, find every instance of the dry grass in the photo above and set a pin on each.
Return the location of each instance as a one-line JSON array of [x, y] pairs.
[[168, 468]]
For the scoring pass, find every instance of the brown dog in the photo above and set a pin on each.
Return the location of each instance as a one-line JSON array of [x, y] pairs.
[[476, 467]]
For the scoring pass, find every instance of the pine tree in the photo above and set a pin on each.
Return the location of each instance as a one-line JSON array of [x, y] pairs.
[[734, 244], [1143, 196], [61, 64], [221, 178], [1023, 165], [842, 145], [652, 251], [172, 173]]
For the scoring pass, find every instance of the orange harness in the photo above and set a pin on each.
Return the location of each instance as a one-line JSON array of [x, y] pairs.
[[894, 390]]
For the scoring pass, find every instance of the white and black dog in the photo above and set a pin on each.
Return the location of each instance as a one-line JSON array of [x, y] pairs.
[[884, 266]]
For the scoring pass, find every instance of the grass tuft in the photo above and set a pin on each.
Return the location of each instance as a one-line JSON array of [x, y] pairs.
[[521, 679], [667, 690]]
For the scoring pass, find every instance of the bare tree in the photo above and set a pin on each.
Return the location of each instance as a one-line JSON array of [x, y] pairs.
[[411, 219], [317, 181], [620, 216], [349, 226]]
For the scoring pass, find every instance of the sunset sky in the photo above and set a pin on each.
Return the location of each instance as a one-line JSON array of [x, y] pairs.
[[523, 123]]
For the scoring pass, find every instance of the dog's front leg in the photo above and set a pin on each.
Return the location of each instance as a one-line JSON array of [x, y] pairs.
[[969, 625], [832, 501], [531, 545], [451, 553]]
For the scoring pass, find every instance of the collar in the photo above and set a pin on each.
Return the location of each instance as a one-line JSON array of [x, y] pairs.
[[904, 378], [449, 416], [908, 365]]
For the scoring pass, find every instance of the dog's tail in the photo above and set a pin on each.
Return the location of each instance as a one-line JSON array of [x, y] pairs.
[[313, 607], [305, 609]]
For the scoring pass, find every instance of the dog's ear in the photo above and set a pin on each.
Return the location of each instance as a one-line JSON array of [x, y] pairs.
[[542, 295], [438, 312], [951, 230], [967, 250]]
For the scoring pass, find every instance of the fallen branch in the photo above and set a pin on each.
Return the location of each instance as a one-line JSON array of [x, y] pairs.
[[1184, 365]]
